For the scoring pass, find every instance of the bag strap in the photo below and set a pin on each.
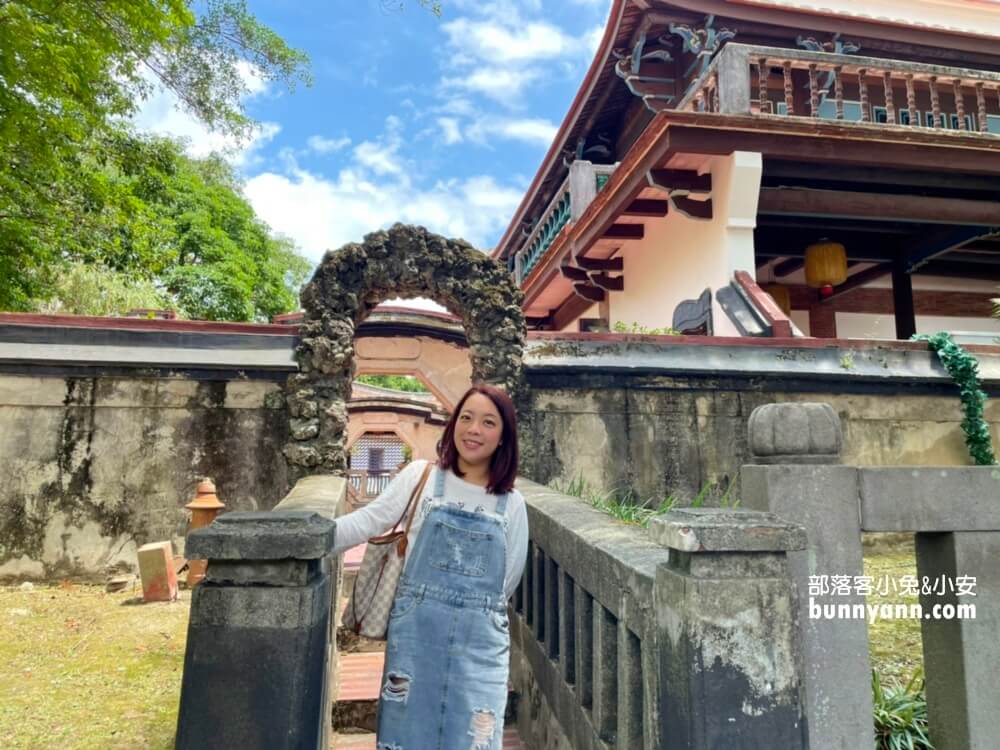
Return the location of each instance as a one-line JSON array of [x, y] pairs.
[[392, 534], [414, 498]]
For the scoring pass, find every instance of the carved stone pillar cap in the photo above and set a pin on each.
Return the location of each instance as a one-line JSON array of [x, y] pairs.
[[275, 535], [795, 433], [724, 530]]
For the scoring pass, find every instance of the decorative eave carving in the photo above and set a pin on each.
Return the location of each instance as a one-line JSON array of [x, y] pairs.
[[835, 45], [648, 87], [703, 43], [679, 185]]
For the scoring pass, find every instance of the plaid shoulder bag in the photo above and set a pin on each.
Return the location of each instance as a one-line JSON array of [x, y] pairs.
[[368, 610]]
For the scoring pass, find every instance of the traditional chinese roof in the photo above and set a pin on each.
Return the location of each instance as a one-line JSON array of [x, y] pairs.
[[605, 119]]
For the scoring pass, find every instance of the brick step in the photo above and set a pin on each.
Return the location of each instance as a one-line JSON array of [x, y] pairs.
[[360, 676], [511, 741]]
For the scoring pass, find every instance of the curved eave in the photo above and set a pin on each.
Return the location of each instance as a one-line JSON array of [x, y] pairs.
[[792, 14], [583, 94], [988, 8]]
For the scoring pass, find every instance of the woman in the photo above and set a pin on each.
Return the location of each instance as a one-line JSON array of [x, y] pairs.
[[445, 679]]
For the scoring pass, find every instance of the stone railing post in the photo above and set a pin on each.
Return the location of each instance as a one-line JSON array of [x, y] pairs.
[[727, 629], [733, 68], [582, 187], [255, 671], [795, 474], [955, 513], [961, 655]]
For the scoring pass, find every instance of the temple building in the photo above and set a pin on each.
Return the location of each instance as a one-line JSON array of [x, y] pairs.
[[842, 156]]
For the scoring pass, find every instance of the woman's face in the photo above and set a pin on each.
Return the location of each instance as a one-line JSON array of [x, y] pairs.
[[478, 429]]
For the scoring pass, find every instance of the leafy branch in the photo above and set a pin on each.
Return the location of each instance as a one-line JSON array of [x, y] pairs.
[[964, 370]]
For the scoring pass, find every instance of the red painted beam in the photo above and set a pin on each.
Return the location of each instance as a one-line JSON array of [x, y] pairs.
[[602, 264], [625, 232]]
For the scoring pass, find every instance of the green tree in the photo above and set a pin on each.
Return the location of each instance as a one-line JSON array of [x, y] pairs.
[[406, 383], [88, 289], [181, 226], [70, 72]]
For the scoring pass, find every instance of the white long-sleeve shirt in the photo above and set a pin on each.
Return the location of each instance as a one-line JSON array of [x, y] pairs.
[[381, 514]]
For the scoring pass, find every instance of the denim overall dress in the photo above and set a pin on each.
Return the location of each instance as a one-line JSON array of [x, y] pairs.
[[445, 681]]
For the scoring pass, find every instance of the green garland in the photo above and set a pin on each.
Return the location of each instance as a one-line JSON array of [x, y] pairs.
[[964, 370]]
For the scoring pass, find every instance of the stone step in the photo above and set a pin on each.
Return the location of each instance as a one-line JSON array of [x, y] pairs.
[[511, 741]]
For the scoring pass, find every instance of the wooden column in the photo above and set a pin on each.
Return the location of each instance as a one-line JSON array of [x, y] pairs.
[[902, 302], [822, 320]]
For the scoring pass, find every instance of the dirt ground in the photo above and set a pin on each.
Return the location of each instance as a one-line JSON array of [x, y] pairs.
[[83, 669]]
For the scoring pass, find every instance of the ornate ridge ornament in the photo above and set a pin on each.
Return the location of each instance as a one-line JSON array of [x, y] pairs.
[[629, 63], [703, 43], [836, 46]]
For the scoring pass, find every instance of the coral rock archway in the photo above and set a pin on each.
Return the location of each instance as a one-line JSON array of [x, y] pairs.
[[405, 261]]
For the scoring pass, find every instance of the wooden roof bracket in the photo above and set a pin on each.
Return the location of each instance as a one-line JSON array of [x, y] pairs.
[[679, 185]]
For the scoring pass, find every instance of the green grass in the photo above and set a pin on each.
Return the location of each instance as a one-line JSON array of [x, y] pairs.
[[627, 507], [895, 645], [896, 651], [84, 670], [900, 714]]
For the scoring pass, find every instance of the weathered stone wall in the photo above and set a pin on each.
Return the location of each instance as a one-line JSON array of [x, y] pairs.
[[95, 466], [663, 427]]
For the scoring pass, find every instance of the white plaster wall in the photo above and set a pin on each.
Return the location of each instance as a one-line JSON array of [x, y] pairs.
[[867, 326], [680, 256], [801, 320]]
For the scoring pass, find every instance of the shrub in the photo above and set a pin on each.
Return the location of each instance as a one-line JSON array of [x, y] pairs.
[[900, 714]]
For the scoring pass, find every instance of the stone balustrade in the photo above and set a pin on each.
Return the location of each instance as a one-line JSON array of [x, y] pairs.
[[753, 79], [954, 513], [567, 205], [261, 646], [686, 634], [698, 633]]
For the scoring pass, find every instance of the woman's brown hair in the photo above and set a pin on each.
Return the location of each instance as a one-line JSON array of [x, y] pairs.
[[503, 462]]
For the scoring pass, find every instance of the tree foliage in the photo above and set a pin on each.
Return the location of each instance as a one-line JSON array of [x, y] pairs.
[[89, 289], [406, 383], [70, 73], [182, 226]]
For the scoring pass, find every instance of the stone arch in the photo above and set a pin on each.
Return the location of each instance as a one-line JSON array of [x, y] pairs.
[[405, 261]]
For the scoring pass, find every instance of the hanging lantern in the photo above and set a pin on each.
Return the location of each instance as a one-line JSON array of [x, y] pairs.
[[826, 266], [780, 294]]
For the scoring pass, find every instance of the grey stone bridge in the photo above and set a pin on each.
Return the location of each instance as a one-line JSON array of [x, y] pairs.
[[695, 634]]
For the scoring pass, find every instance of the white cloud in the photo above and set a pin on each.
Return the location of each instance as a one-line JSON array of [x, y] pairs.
[[497, 53], [320, 213], [382, 156], [592, 40], [505, 85], [321, 145], [374, 190], [161, 113], [449, 130], [534, 131], [502, 44]]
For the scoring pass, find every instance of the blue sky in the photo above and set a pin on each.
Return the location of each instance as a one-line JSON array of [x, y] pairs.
[[435, 121]]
